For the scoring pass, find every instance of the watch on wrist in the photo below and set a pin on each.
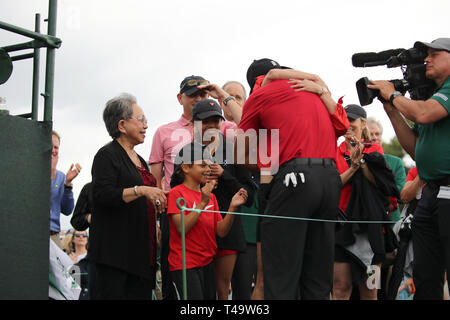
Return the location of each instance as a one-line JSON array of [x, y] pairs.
[[393, 96], [228, 99]]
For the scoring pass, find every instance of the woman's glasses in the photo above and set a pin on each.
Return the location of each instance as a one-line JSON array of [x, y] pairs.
[[142, 119]]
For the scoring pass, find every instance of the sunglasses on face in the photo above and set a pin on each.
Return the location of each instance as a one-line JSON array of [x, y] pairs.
[[79, 235], [198, 93], [194, 82]]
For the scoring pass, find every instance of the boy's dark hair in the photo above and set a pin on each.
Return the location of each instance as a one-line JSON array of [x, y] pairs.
[[177, 177], [187, 155]]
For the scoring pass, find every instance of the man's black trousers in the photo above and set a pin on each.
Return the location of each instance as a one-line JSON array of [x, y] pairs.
[[298, 256], [431, 244]]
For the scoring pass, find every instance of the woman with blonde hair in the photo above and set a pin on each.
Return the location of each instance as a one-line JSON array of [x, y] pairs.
[[367, 184], [75, 245]]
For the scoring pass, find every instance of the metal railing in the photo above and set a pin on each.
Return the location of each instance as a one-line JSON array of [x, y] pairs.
[[49, 41]]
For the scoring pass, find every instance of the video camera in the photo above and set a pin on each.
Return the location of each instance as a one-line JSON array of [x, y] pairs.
[[413, 67]]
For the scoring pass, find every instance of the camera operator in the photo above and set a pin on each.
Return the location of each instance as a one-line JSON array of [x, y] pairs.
[[427, 143]]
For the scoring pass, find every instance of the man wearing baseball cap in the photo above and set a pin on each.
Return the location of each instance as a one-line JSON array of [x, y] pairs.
[[297, 255], [427, 143], [169, 138], [165, 146]]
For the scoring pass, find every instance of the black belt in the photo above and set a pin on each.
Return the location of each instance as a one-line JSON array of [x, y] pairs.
[[310, 162]]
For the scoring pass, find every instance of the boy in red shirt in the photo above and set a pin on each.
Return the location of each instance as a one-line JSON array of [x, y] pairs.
[[189, 181]]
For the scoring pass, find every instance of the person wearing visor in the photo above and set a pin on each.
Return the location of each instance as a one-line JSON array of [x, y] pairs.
[[427, 143], [360, 246]]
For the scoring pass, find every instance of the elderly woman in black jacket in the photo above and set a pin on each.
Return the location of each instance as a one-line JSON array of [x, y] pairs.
[[123, 234]]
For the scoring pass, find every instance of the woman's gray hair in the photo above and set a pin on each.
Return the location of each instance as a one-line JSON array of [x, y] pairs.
[[118, 108]]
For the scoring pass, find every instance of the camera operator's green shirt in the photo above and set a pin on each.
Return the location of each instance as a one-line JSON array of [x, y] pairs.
[[433, 146]]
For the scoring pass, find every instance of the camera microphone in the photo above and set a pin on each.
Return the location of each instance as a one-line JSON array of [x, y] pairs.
[[372, 59], [413, 68]]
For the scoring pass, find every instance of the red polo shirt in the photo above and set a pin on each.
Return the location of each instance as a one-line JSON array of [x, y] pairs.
[[306, 128], [200, 240], [342, 166]]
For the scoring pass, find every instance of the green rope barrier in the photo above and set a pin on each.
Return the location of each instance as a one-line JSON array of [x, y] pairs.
[[181, 204], [183, 245], [282, 217]]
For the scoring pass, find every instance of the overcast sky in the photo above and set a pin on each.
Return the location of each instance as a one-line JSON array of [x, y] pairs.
[[147, 47]]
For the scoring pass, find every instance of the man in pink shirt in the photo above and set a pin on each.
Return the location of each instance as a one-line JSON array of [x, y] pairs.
[[171, 137]]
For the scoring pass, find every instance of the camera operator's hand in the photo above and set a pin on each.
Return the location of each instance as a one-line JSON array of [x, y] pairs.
[[386, 88]]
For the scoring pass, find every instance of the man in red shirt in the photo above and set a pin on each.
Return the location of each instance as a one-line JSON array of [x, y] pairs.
[[297, 256]]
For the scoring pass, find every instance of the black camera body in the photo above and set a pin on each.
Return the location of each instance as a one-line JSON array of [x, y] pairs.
[[413, 67]]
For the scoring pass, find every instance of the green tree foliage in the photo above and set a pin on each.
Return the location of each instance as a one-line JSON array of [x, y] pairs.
[[394, 148]]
